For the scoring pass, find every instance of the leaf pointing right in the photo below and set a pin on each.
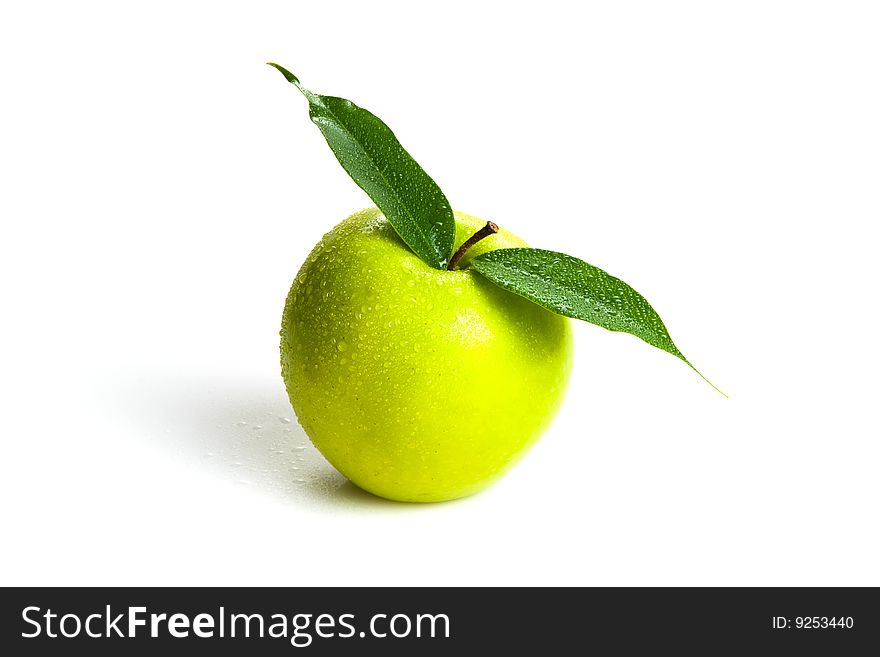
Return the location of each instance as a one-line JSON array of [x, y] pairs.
[[569, 286]]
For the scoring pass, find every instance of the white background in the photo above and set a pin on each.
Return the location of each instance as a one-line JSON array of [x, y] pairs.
[[161, 186]]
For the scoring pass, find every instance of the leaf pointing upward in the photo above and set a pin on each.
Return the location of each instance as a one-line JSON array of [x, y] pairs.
[[370, 153]]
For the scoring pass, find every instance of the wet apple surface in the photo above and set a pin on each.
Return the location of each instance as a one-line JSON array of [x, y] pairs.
[[417, 384]]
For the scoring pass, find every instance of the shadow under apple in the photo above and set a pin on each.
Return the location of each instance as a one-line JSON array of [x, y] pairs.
[[242, 430]]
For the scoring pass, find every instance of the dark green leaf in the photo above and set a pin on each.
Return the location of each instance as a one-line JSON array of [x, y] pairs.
[[571, 287], [370, 153]]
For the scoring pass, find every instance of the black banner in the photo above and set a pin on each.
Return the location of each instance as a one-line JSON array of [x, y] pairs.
[[431, 621]]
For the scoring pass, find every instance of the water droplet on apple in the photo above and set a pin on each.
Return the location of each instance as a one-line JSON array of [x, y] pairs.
[[342, 346]]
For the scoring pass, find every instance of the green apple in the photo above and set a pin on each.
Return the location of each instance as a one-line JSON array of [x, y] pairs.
[[424, 351], [418, 384]]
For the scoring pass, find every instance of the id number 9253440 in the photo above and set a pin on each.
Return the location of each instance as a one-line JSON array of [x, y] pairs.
[[813, 622]]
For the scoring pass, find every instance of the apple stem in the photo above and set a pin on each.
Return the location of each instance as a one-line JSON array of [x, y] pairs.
[[484, 232]]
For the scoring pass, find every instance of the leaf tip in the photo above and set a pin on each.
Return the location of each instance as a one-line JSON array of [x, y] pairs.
[[702, 376], [290, 77]]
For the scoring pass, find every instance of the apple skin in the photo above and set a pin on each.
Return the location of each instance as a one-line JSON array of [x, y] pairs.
[[418, 385]]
